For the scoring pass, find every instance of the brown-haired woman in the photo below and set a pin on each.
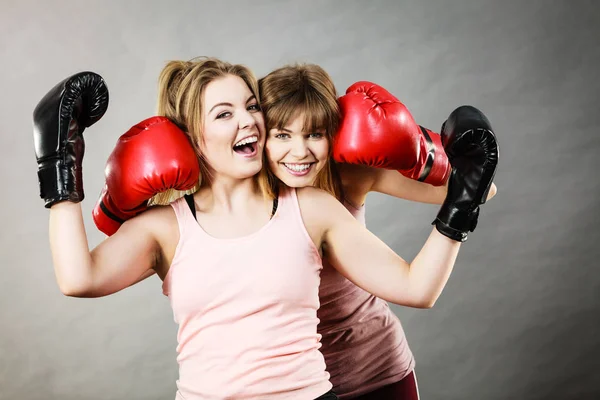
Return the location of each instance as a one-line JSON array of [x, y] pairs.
[[364, 345]]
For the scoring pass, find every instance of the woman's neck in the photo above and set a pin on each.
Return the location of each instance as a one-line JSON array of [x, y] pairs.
[[226, 196], [232, 209]]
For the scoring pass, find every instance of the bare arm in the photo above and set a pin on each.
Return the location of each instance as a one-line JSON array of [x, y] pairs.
[[370, 264], [395, 184], [118, 262], [144, 276]]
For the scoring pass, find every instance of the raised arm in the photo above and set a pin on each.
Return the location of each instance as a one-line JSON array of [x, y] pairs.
[[368, 262], [118, 262], [364, 259], [150, 158], [395, 184], [60, 119], [381, 148]]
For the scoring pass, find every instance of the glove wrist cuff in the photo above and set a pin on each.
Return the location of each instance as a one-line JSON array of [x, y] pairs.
[[58, 182], [450, 232], [455, 223]]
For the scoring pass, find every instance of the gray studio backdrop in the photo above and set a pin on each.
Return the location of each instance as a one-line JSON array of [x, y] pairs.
[[519, 317]]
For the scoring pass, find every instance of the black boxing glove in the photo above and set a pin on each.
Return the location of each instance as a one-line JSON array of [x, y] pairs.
[[472, 150], [59, 120]]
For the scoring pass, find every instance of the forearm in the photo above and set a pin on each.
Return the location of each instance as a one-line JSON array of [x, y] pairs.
[[431, 268], [393, 183], [70, 250]]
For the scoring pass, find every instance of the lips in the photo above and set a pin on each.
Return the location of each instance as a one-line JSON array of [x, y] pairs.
[[247, 146], [298, 169], [246, 140]]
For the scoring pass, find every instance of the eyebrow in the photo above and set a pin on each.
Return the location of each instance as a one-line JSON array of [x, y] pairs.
[[252, 97]]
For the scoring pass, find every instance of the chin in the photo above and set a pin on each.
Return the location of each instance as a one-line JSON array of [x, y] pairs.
[[254, 169], [247, 171], [296, 181]]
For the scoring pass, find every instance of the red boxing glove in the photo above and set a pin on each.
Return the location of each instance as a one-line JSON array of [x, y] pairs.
[[152, 157], [378, 130]]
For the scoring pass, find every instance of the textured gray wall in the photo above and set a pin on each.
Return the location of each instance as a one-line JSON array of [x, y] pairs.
[[520, 315]]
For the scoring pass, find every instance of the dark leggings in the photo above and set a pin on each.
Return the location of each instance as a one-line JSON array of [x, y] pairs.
[[406, 389]]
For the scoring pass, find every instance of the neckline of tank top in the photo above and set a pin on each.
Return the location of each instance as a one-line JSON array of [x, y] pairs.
[[249, 236]]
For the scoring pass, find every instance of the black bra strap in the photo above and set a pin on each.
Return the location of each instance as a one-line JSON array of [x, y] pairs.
[[190, 201], [275, 201]]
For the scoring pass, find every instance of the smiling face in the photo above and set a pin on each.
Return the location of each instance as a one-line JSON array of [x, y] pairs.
[[296, 156], [302, 115], [233, 133]]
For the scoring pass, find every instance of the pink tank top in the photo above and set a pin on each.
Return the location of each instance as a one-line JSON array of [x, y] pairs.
[[363, 341], [247, 310]]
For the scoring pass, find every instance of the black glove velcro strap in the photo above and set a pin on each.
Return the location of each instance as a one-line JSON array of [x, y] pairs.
[[57, 183], [447, 231]]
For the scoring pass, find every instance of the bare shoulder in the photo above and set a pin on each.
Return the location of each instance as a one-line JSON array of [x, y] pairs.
[[320, 210], [160, 224], [154, 219], [313, 199]]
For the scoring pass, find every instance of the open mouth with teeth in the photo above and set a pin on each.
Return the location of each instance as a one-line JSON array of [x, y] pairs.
[[298, 169], [247, 146]]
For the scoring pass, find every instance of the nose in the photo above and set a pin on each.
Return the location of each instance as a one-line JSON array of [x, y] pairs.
[[247, 120], [299, 148]]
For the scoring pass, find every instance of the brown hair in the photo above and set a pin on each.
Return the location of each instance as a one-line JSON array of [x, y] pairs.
[[181, 85], [307, 89]]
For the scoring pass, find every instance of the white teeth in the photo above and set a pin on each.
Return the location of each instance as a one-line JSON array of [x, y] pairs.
[[298, 167], [251, 139]]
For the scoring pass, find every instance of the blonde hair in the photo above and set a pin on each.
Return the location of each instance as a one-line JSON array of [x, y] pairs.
[[308, 89], [181, 86]]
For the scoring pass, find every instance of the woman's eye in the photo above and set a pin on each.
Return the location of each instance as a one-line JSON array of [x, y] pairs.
[[224, 114], [316, 135], [254, 107], [281, 135]]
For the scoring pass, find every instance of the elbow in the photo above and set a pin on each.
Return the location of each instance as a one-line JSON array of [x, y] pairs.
[[426, 304], [422, 302], [414, 303], [70, 290]]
